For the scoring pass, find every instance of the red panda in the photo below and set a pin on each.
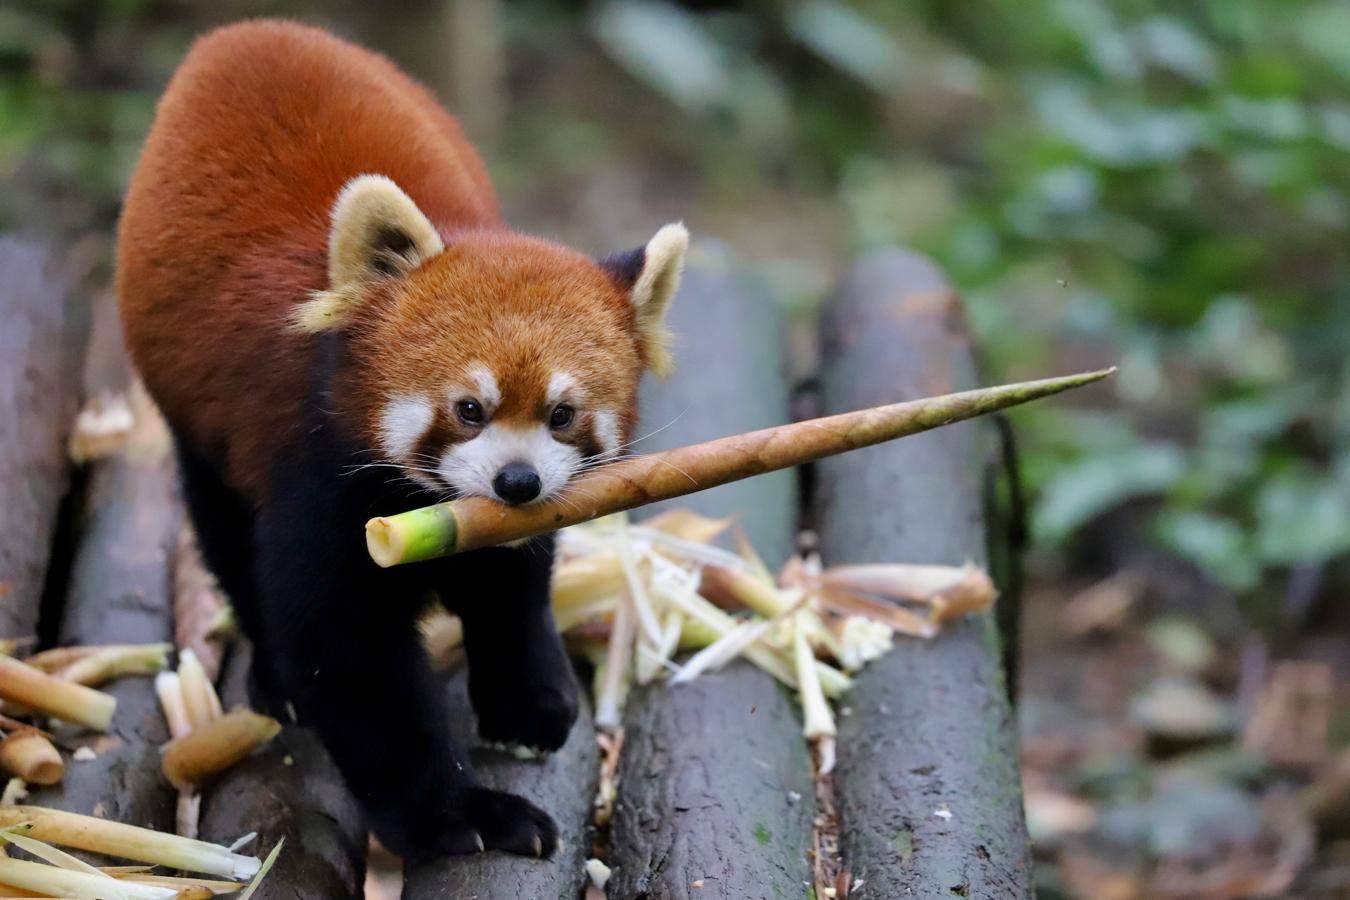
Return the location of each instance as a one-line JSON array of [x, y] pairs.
[[319, 292]]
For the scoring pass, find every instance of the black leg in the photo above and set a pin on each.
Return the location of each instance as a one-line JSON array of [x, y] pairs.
[[522, 687], [224, 526], [348, 657]]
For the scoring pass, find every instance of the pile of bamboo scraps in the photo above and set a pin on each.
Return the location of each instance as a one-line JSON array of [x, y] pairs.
[[56, 873], [629, 597], [206, 740], [60, 686]]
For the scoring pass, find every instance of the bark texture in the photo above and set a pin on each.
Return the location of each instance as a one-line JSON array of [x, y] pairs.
[[563, 784], [714, 780], [289, 789], [927, 782], [40, 344], [120, 591]]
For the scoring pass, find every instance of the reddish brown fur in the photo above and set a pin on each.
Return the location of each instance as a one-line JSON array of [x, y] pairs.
[[225, 231], [521, 305]]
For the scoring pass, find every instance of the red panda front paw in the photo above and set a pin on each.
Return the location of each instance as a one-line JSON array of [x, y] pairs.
[[538, 717], [511, 823], [476, 821], [488, 819]]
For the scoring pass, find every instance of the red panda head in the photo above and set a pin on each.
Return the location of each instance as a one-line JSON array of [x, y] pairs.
[[486, 362]]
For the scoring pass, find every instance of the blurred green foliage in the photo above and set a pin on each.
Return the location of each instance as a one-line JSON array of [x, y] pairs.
[[1162, 185], [1159, 184]]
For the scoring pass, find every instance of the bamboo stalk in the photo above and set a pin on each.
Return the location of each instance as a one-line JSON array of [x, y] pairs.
[[51, 881], [212, 748], [474, 522], [54, 696], [31, 757], [129, 842]]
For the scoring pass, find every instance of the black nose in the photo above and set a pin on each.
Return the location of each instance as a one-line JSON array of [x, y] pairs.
[[516, 483]]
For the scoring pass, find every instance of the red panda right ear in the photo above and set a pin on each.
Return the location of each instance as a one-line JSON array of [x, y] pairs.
[[377, 232], [651, 276]]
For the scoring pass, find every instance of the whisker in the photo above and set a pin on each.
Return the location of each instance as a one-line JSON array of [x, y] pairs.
[[692, 479]]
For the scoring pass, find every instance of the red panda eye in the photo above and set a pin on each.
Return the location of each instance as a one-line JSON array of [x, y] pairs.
[[470, 412], [562, 416]]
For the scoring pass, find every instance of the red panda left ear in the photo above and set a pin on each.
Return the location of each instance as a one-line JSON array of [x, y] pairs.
[[377, 231], [651, 274]]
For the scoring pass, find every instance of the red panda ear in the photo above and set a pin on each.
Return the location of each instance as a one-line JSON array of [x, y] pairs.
[[377, 231], [651, 275]]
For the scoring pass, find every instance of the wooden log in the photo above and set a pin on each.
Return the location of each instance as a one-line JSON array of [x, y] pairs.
[[927, 782], [289, 789], [40, 343], [120, 591], [563, 784], [715, 796]]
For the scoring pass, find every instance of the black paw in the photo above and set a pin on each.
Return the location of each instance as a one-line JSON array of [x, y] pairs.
[[479, 820], [538, 716]]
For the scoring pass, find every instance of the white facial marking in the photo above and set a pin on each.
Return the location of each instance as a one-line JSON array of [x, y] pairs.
[[403, 422], [471, 466], [483, 381], [607, 431], [563, 385]]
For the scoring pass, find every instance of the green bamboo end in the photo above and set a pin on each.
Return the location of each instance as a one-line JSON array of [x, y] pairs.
[[412, 536]]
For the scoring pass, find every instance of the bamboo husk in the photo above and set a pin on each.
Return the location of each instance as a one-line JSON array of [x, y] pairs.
[[129, 842], [54, 696], [212, 748], [106, 663], [474, 522], [199, 694], [52, 881], [169, 689], [31, 757], [188, 888], [57, 658], [11, 646]]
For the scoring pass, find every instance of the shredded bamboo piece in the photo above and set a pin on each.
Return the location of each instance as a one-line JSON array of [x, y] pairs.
[[106, 663], [53, 881], [473, 522], [169, 689], [31, 757], [210, 749], [615, 672], [54, 696], [128, 842], [199, 694]]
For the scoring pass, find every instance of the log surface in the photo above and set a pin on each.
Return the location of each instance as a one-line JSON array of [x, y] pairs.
[[563, 784], [927, 782], [714, 780], [289, 789], [41, 337], [715, 794], [120, 591]]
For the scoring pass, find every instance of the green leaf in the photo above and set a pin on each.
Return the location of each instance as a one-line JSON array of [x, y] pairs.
[[1218, 546], [1302, 518], [667, 48], [850, 41], [1085, 490]]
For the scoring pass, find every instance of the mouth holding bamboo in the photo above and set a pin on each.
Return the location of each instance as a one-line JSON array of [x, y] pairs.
[[474, 522]]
